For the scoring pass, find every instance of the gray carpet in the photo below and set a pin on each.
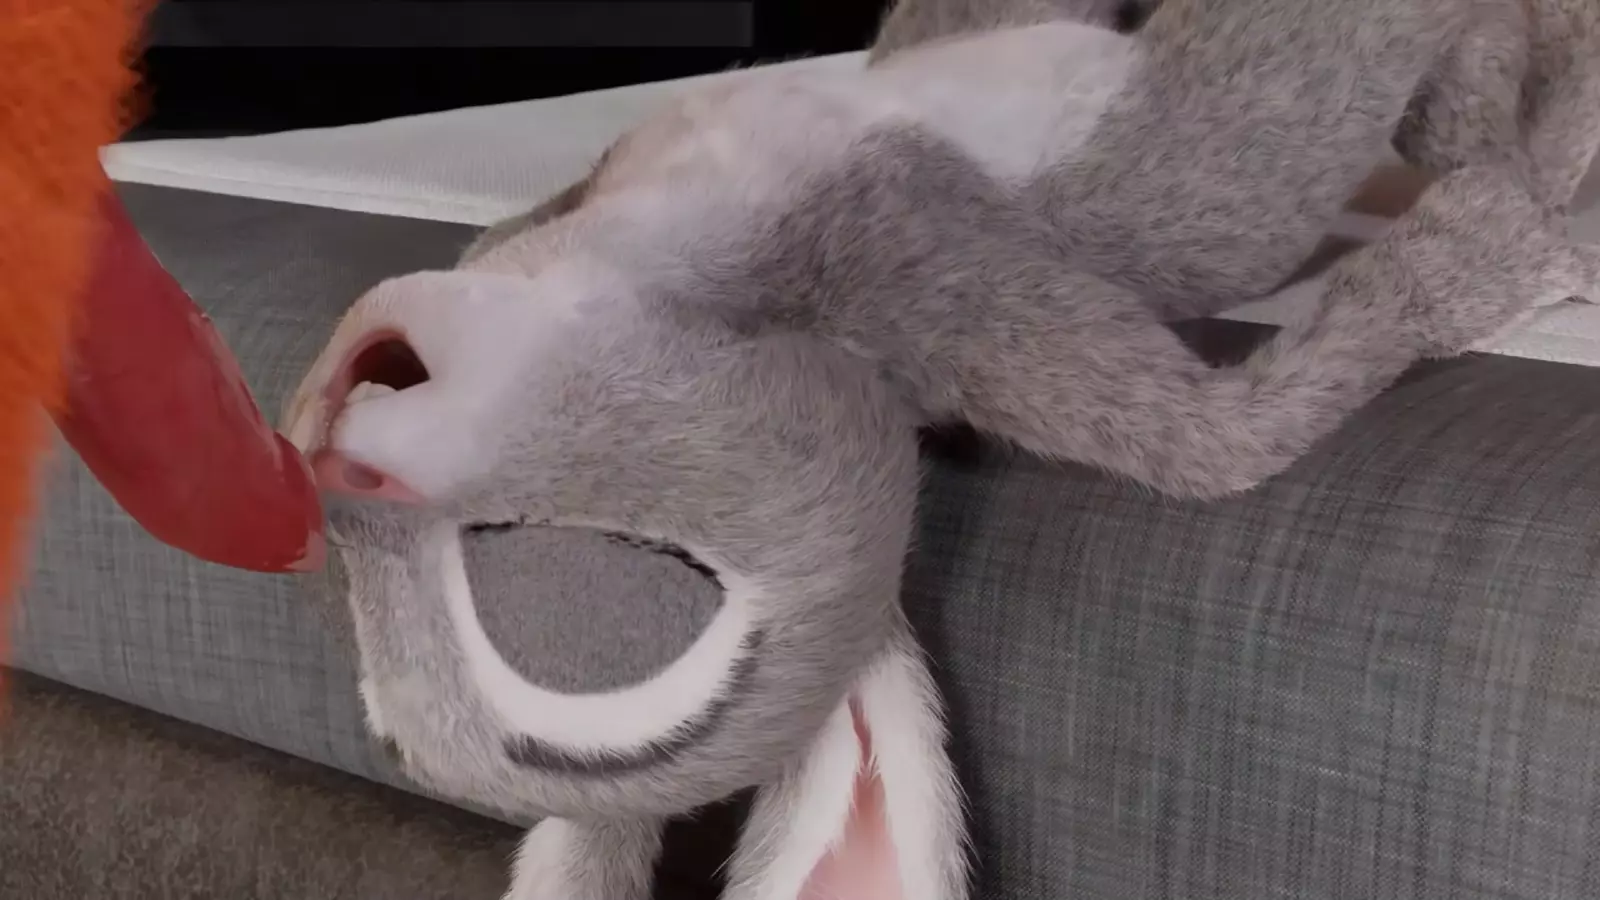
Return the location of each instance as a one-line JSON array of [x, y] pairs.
[[103, 800]]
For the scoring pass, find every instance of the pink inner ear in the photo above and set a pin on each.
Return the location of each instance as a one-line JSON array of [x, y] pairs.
[[863, 865]]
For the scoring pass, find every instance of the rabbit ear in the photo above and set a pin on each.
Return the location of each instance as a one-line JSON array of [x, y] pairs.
[[872, 811]]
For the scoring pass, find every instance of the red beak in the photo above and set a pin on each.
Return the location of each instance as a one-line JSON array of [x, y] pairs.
[[159, 411]]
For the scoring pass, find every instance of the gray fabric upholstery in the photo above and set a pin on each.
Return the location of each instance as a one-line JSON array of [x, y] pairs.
[[106, 800], [1376, 677]]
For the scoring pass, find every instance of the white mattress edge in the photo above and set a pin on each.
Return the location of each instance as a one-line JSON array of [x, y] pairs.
[[411, 206]]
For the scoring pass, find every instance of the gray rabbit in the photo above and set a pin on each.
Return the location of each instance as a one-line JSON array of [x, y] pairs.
[[623, 500]]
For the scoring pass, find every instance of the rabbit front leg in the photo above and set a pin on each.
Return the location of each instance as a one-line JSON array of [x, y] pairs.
[[1466, 111], [1238, 141], [1561, 97], [1121, 392], [561, 859], [1522, 77]]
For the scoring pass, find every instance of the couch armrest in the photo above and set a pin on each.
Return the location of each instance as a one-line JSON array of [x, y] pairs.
[[1377, 675]]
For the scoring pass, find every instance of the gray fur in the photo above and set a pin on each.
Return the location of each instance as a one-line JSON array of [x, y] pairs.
[[604, 860], [1561, 95], [566, 200], [833, 533], [978, 323], [1202, 198], [760, 405], [1467, 107]]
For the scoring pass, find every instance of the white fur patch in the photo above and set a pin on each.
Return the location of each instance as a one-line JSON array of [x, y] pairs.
[[377, 723], [1015, 100], [922, 801], [794, 823], [543, 861]]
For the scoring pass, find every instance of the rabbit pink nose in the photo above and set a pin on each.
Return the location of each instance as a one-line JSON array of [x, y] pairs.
[[335, 473], [383, 362]]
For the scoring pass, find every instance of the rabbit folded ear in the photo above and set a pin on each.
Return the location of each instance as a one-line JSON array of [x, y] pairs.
[[871, 812]]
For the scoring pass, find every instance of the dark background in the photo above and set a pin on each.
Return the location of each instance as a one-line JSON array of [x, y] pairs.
[[241, 66]]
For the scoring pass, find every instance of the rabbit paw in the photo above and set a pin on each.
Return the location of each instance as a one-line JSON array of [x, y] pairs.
[[1480, 258], [1528, 319]]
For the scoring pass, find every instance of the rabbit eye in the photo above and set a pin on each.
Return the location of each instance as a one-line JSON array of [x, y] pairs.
[[579, 610], [665, 549], [613, 620]]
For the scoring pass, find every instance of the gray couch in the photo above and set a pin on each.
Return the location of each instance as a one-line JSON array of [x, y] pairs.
[[1376, 676]]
